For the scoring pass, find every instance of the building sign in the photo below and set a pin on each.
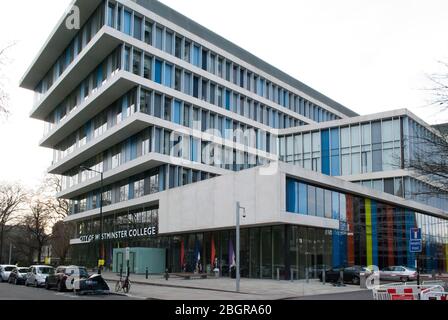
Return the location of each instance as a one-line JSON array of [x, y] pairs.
[[123, 234]]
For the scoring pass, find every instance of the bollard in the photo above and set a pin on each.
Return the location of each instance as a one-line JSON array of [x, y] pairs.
[[291, 273], [307, 275], [323, 276], [166, 275], [147, 272], [278, 274]]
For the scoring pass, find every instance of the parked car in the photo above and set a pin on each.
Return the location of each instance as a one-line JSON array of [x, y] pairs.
[[63, 273], [351, 274], [398, 273], [5, 270], [18, 275], [37, 275], [95, 284]]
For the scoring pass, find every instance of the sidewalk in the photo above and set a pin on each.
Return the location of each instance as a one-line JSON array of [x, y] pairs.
[[224, 288]]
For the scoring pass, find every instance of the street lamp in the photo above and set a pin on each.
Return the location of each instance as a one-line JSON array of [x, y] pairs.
[[238, 208], [101, 217]]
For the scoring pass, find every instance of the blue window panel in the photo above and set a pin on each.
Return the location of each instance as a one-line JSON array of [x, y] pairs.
[[303, 198], [133, 148], [127, 22], [227, 105], [128, 150], [99, 75], [131, 191], [373, 212], [228, 129], [291, 195], [158, 71], [168, 81], [335, 205], [335, 162], [177, 111], [194, 149], [286, 99], [162, 178], [325, 140], [110, 16], [124, 106], [196, 56], [336, 256]]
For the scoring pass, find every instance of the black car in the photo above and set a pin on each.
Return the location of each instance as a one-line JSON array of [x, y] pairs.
[[351, 274], [95, 284], [18, 275], [64, 277]]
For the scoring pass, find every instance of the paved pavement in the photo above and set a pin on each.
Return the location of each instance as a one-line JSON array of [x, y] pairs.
[[13, 292], [156, 287]]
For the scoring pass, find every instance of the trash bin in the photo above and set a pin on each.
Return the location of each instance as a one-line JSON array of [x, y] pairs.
[[233, 272], [362, 280]]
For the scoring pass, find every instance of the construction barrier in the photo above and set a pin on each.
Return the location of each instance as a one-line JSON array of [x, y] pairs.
[[400, 291], [434, 293]]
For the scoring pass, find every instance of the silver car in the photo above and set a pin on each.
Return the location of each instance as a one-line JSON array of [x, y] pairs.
[[398, 273], [5, 271], [37, 275]]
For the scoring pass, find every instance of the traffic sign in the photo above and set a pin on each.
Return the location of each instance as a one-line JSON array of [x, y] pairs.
[[415, 246], [416, 234]]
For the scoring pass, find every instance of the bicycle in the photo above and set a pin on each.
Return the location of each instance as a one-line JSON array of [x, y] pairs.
[[124, 285]]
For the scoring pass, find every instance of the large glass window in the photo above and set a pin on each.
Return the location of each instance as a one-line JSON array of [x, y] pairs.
[[168, 80], [138, 28], [158, 71], [127, 22]]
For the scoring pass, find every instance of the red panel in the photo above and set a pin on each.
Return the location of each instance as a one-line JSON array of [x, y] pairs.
[[350, 235]]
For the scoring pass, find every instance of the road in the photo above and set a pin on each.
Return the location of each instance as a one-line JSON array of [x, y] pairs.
[[357, 295], [13, 292]]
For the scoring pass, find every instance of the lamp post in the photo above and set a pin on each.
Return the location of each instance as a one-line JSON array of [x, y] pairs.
[[101, 217], [238, 207]]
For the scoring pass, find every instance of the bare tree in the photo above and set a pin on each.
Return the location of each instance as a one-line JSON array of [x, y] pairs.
[[4, 96], [38, 222], [59, 207], [439, 88], [60, 239], [12, 197]]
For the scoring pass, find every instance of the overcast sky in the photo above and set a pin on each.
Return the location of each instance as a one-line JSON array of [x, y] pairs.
[[371, 56]]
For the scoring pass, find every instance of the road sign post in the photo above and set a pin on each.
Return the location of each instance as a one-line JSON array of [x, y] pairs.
[[415, 246]]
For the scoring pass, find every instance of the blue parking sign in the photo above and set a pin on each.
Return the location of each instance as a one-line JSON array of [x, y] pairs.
[[416, 234]]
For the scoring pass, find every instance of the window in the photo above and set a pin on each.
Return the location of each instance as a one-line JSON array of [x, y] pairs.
[[158, 72], [159, 36], [204, 59], [167, 109], [138, 28], [195, 87], [157, 105], [110, 15], [178, 48], [177, 112], [196, 56], [187, 48], [168, 80], [177, 79], [187, 83], [148, 32], [147, 67], [127, 22], [303, 198], [127, 60], [169, 42], [137, 62]]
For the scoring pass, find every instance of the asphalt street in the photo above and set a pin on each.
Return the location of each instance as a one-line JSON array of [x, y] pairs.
[[13, 292], [357, 295]]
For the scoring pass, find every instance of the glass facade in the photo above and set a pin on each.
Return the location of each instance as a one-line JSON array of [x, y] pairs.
[[355, 149], [370, 232]]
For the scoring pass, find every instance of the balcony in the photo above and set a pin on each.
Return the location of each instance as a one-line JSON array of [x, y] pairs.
[[102, 44], [59, 39], [117, 86]]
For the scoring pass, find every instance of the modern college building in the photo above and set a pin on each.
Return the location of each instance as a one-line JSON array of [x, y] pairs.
[[183, 124]]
